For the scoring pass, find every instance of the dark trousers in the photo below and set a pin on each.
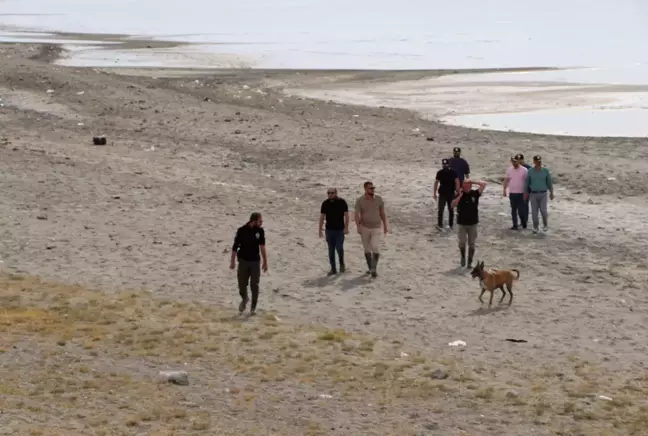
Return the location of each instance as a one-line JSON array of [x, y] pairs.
[[445, 199], [249, 272], [519, 207], [335, 241]]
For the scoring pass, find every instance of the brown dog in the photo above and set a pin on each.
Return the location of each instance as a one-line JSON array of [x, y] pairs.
[[491, 279]]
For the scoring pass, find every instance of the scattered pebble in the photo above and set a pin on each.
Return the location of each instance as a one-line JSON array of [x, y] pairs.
[[457, 343], [175, 377]]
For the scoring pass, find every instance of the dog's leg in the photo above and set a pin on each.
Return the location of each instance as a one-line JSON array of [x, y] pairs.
[[490, 302], [510, 289], [480, 295], [503, 294]]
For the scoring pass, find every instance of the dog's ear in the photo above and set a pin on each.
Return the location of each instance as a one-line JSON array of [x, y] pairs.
[[482, 264]]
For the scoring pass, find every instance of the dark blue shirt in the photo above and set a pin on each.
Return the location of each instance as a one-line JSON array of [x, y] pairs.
[[460, 166]]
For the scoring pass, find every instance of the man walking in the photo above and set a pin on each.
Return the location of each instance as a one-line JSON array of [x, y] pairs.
[[467, 204], [460, 165], [336, 212], [538, 182], [369, 214], [447, 184], [249, 239], [515, 181]]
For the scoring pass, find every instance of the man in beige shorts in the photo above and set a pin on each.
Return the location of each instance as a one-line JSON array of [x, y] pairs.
[[369, 214]]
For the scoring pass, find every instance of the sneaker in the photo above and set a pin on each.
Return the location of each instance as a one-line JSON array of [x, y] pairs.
[[545, 229], [242, 306], [374, 274], [252, 312], [515, 228], [331, 273], [439, 228], [535, 230], [342, 268]]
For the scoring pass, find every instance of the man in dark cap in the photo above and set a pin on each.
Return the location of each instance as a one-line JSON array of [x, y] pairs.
[[520, 158], [460, 165], [446, 184], [249, 239], [538, 182]]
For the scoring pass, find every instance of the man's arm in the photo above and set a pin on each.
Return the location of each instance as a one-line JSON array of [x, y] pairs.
[[321, 224], [527, 185], [436, 186], [467, 168], [346, 222], [383, 217], [264, 255], [482, 186], [457, 185], [235, 247], [356, 215], [550, 184], [506, 182]]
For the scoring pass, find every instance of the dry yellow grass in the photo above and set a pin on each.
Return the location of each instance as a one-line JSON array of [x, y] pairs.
[[83, 362]]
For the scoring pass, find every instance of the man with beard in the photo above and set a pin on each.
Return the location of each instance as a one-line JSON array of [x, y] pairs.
[[336, 212], [369, 214], [249, 240]]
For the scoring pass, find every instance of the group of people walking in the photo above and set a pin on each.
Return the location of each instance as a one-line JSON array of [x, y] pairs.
[[453, 189]]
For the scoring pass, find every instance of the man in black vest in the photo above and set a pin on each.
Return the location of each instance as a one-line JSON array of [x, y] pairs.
[[447, 183], [250, 238]]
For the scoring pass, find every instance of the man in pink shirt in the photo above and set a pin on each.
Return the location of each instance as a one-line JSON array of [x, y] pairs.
[[515, 180]]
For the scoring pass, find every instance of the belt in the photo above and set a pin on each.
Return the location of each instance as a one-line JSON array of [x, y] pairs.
[[538, 192]]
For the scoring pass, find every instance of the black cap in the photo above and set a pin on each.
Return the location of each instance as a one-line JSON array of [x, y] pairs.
[[456, 150], [445, 162], [537, 157], [519, 156]]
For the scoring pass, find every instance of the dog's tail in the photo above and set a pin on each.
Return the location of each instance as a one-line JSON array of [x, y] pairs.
[[517, 272]]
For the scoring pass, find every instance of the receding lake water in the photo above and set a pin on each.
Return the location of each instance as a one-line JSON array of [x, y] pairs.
[[606, 37]]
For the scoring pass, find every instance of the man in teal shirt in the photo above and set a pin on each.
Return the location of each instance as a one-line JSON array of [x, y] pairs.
[[538, 182]]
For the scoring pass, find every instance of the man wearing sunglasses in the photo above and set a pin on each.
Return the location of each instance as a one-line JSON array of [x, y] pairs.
[[369, 214], [336, 213]]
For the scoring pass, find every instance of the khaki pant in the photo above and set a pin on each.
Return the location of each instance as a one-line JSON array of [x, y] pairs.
[[370, 239], [469, 233]]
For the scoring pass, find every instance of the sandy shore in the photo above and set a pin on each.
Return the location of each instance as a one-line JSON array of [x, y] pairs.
[[187, 160]]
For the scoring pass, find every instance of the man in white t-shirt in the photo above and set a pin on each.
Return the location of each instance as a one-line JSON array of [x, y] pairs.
[[515, 180]]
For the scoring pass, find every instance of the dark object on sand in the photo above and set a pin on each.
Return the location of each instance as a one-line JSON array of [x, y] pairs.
[[517, 341], [99, 140]]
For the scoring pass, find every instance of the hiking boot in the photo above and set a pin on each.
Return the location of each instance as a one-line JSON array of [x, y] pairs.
[[368, 259], [242, 306], [342, 268], [471, 254], [331, 273]]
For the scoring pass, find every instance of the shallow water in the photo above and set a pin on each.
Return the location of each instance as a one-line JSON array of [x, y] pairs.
[[369, 34]]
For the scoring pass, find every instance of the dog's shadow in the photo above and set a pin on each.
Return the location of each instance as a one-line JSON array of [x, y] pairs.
[[485, 310], [456, 272]]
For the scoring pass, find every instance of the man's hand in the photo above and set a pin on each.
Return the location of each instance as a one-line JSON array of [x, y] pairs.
[[435, 196], [551, 196], [264, 266], [504, 193], [385, 230], [346, 230], [359, 230], [320, 233], [232, 264], [526, 196]]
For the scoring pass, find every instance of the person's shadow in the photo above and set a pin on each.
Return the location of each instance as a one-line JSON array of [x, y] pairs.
[[485, 310], [349, 284]]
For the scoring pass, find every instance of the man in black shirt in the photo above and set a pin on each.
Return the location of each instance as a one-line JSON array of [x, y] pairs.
[[249, 239], [447, 183], [467, 204], [336, 212]]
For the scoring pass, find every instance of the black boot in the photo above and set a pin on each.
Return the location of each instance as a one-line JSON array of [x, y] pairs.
[[368, 259], [471, 254], [376, 256], [463, 256]]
